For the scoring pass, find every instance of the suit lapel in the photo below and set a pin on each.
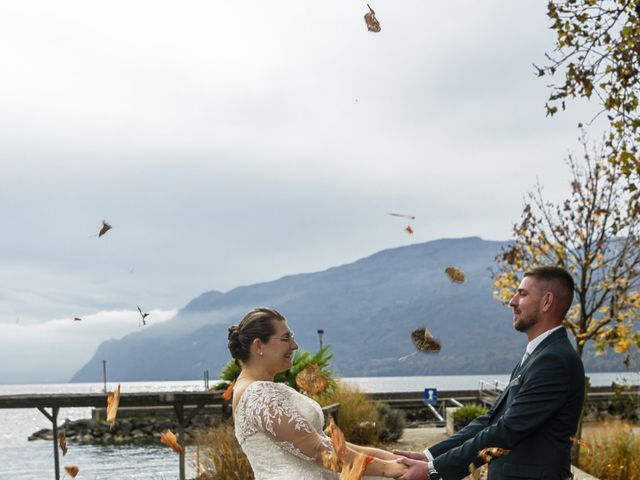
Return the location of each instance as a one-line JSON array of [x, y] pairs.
[[504, 393], [557, 335]]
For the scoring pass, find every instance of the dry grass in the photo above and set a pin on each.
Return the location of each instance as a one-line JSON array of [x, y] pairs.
[[616, 451], [358, 417], [220, 456]]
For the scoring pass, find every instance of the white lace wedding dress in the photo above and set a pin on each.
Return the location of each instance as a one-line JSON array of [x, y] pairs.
[[280, 431]]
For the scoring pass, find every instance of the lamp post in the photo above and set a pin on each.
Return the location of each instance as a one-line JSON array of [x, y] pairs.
[[320, 334]]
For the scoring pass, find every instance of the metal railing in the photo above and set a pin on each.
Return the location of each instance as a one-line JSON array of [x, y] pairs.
[[489, 391]]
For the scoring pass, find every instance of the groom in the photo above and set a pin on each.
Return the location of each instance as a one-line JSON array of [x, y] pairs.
[[538, 412]]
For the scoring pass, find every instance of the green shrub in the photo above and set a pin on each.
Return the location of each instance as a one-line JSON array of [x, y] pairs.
[[393, 422], [466, 414], [469, 412]]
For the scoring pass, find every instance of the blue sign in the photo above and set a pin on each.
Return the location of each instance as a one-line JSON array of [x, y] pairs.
[[430, 396]]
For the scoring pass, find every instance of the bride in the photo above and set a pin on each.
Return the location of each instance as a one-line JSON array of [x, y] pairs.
[[279, 429]]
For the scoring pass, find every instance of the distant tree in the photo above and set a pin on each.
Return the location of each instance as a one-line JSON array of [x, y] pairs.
[[594, 235], [598, 48]]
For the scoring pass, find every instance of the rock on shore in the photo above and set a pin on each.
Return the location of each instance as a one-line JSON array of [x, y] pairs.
[[125, 431]]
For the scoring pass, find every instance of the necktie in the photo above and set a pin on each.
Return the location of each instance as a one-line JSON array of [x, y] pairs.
[[524, 357]]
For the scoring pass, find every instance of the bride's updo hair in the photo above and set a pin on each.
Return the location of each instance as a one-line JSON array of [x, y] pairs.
[[258, 323]]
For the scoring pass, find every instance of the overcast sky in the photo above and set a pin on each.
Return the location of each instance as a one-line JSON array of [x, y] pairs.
[[230, 143]]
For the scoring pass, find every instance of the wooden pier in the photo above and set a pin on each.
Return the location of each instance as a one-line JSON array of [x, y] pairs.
[[176, 400], [185, 406]]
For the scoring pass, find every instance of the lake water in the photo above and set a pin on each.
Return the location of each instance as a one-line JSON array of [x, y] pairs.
[[21, 459]]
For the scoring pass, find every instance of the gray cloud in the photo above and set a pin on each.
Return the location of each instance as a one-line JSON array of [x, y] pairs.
[[231, 143], [54, 350]]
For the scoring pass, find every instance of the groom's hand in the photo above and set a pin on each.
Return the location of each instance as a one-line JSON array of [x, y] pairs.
[[418, 470], [412, 455]]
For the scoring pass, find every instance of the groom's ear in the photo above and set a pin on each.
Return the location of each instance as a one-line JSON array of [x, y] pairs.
[[547, 301]]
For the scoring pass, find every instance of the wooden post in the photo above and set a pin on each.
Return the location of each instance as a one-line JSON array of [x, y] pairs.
[[179, 409], [104, 375], [54, 420]]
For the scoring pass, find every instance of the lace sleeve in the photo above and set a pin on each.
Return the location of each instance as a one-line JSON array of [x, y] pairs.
[[270, 409]]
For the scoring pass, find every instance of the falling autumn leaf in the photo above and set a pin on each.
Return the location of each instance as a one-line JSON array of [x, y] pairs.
[[582, 443], [72, 470], [113, 400], [424, 341], [312, 380], [411, 217], [105, 228], [488, 454], [62, 442], [409, 230], [169, 439], [455, 274], [142, 317], [337, 438], [330, 461], [356, 469], [334, 459], [370, 18], [228, 393]]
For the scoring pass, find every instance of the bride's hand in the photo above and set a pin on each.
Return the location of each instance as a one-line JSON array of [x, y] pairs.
[[393, 469]]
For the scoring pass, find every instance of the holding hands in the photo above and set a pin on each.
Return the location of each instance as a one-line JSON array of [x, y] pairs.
[[395, 469], [415, 464]]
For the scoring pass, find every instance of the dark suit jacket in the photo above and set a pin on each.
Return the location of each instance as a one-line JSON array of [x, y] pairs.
[[534, 417]]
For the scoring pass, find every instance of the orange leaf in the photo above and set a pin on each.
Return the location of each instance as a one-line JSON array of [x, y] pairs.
[[169, 439], [582, 443], [311, 379], [337, 439], [228, 393], [113, 400], [62, 442], [488, 454], [72, 470], [330, 461], [455, 274], [355, 470]]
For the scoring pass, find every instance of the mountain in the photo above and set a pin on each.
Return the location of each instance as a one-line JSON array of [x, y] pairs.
[[367, 309]]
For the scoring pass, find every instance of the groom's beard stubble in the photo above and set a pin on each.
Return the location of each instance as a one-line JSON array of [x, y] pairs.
[[523, 324]]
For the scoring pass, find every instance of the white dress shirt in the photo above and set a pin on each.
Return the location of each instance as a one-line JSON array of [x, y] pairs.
[[533, 344]]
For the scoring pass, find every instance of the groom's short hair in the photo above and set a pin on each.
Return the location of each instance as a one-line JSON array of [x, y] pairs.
[[559, 281]]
